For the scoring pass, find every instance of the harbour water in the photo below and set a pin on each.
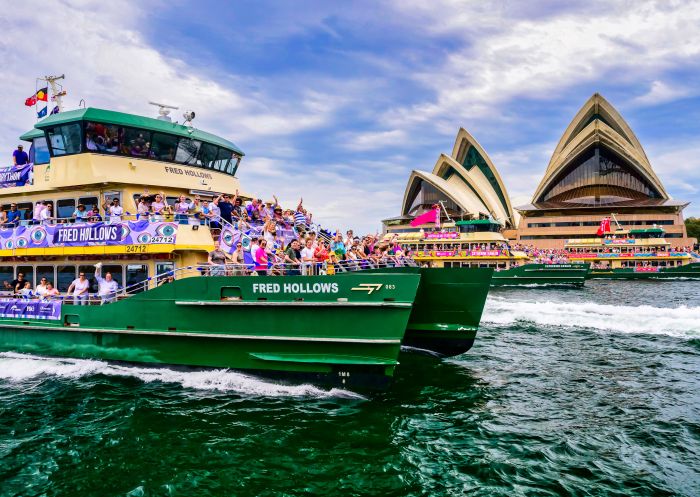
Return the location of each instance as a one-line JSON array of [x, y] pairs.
[[589, 391]]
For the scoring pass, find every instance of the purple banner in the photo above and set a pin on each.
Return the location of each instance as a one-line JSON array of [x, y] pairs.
[[84, 234], [33, 309], [16, 175]]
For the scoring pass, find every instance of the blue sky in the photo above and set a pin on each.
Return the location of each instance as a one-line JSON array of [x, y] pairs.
[[338, 102]]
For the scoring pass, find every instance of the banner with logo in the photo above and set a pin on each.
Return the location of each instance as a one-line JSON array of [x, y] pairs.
[[484, 253], [16, 175], [441, 234], [86, 234], [32, 309]]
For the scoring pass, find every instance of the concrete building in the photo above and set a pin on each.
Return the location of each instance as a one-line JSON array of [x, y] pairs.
[[598, 168], [466, 183]]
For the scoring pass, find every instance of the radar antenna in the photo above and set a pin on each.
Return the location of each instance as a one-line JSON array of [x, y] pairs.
[[164, 111]]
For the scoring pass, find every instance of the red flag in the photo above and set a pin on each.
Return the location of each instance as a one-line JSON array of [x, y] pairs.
[[30, 101], [604, 226], [432, 216]]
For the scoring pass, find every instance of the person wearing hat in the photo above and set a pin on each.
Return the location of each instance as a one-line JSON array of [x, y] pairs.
[[19, 156]]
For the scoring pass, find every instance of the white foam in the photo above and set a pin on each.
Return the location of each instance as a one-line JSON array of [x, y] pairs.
[[682, 322], [21, 367]]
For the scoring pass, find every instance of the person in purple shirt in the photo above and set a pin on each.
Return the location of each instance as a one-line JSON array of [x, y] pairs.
[[19, 156]]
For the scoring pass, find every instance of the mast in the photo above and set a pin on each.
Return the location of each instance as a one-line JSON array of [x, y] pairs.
[[57, 91]]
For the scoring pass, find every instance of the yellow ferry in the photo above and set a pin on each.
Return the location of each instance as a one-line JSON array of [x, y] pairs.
[[633, 254], [480, 243]]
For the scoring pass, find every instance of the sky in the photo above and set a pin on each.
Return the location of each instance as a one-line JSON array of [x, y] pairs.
[[337, 102]]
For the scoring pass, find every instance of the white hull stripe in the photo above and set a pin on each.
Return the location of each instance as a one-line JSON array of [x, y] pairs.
[[206, 335]]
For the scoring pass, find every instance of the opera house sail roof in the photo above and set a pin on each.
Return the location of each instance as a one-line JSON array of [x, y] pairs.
[[466, 182], [598, 162]]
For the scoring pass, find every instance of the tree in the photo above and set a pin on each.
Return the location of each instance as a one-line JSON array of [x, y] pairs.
[[692, 225]]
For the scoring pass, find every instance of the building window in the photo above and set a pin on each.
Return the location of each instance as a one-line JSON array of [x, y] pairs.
[[65, 139], [598, 176]]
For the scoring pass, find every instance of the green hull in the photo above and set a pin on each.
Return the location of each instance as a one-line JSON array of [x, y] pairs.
[[689, 271], [542, 274], [343, 331], [447, 310]]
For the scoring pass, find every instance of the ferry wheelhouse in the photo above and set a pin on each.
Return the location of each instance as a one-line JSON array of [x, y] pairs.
[[93, 156], [635, 254], [480, 243]]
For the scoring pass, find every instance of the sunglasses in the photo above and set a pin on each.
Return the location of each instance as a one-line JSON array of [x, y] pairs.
[[81, 274]]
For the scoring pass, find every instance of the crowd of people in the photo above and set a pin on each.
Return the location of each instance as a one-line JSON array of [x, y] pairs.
[[307, 252], [78, 291]]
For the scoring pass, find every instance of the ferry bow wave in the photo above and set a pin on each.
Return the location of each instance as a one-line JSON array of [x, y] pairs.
[[681, 322], [18, 368]]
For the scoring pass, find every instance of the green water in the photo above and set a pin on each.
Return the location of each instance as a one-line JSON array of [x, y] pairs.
[[566, 392]]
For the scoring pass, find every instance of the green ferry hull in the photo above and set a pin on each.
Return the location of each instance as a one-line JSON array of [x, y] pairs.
[[347, 337], [542, 274], [447, 310], [689, 271]]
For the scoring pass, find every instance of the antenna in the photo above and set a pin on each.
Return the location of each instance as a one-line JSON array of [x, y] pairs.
[[57, 91], [164, 110]]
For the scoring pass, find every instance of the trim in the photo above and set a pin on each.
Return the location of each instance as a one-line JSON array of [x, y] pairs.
[[255, 303], [204, 335], [438, 327]]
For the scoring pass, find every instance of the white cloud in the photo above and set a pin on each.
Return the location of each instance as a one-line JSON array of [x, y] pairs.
[[110, 65], [502, 58], [371, 140], [661, 92]]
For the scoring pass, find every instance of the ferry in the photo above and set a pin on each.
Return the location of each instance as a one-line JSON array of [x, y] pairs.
[[633, 254], [171, 309], [480, 243]]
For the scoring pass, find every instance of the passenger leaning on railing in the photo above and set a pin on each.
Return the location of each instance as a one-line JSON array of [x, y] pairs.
[[217, 261], [292, 258], [80, 214], [262, 256], [107, 287], [80, 288]]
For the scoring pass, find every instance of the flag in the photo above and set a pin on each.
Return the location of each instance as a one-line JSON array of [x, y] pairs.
[[604, 226], [30, 101], [42, 112], [55, 110], [432, 216], [43, 94]]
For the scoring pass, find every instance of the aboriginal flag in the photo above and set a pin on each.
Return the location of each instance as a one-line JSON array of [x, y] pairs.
[[43, 94]]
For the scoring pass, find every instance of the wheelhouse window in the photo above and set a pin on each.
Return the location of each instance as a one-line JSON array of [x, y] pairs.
[[233, 165], [39, 152], [101, 138], [135, 142], [65, 139], [188, 152], [222, 160], [207, 155], [163, 147]]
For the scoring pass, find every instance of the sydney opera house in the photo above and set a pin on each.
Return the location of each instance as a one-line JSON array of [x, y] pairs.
[[598, 169]]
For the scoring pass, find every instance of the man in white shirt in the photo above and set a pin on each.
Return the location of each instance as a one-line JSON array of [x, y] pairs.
[[81, 289], [107, 287], [115, 211], [307, 257]]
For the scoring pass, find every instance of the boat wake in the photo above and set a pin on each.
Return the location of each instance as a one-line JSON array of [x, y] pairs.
[[681, 322], [16, 367]]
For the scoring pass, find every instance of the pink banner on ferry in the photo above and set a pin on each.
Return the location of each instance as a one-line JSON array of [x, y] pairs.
[[484, 253], [442, 234], [642, 269]]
